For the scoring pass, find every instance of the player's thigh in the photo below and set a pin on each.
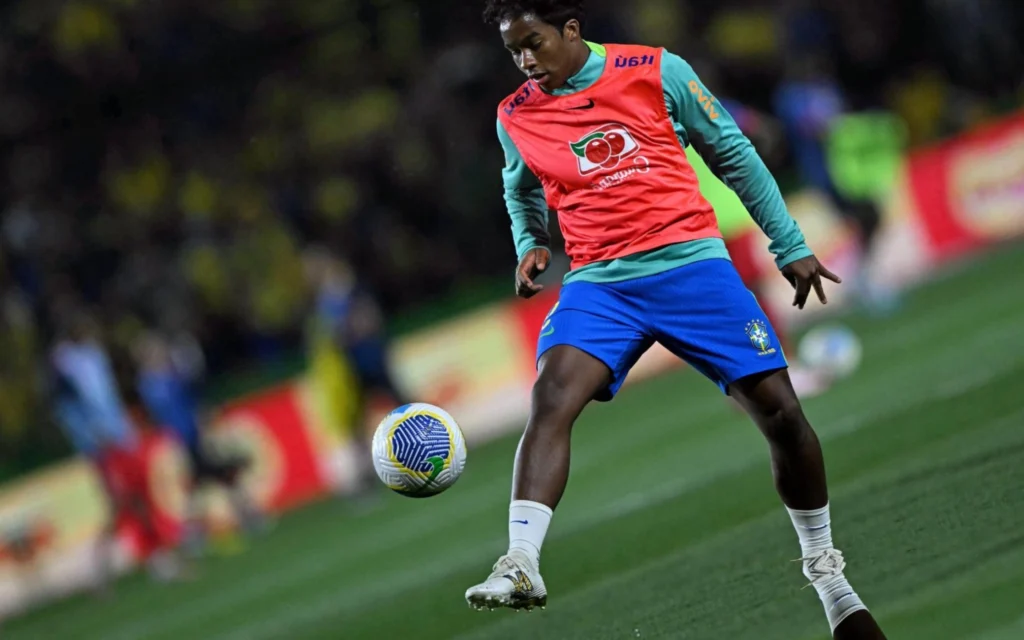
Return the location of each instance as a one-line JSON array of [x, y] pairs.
[[705, 315], [586, 354], [568, 378]]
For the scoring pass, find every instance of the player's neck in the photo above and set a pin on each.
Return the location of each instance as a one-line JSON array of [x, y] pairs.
[[582, 54], [580, 58]]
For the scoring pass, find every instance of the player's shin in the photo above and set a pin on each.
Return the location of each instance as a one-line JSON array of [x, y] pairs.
[[799, 470], [798, 464], [541, 474], [800, 478], [568, 379], [823, 564]]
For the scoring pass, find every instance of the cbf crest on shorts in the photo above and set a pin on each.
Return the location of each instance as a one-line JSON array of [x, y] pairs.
[[757, 332]]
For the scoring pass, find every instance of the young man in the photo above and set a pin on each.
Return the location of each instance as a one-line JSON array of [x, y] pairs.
[[597, 134]]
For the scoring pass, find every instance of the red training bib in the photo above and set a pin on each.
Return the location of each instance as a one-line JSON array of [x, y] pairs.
[[610, 162]]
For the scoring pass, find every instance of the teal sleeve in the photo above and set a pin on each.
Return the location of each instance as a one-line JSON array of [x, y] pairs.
[[524, 199], [715, 136]]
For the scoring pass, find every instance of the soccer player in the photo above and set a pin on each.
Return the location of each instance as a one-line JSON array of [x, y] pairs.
[[597, 134]]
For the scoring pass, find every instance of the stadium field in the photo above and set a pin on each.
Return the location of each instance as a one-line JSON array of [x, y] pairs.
[[671, 527]]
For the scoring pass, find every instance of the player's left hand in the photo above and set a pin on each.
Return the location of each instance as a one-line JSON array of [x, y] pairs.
[[806, 273]]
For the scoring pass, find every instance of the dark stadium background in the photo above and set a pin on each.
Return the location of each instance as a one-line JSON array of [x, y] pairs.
[[169, 164]]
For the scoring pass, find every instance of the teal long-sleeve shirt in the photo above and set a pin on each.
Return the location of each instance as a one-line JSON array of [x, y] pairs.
[[721, 145]]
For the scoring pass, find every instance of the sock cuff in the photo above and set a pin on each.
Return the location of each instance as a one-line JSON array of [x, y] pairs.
[[845, 614], [809, 512], [529, 504]]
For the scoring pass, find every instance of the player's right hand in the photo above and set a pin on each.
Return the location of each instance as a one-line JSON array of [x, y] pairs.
[[534, 263]]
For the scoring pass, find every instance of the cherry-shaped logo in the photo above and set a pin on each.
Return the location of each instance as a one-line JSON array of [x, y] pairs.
[[617, 142], [604, 148], [598, 151]]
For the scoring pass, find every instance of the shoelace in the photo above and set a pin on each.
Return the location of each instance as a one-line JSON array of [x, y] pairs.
[[506, 567], [504, 562]]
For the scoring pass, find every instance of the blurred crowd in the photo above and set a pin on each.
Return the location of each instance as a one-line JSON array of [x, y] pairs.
[[174, 164]]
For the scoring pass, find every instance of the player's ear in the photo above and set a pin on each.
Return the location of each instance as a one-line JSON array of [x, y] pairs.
[[571, 30]]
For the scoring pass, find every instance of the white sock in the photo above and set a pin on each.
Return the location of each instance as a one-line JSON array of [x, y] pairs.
[[527, 525], [814, 528]]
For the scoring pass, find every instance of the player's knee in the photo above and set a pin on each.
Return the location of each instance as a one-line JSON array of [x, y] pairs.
[[785, 424], [553, 398]]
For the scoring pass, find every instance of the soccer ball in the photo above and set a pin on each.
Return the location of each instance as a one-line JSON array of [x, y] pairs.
[[418, 450], [832, 349]]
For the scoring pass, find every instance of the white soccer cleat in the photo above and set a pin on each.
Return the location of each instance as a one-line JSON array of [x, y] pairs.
[[514, 583]]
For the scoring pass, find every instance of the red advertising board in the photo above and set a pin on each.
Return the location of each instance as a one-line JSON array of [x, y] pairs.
[[274, 427], [969, 191]]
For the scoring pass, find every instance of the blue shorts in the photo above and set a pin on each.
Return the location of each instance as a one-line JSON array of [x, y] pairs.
[[701, 312]]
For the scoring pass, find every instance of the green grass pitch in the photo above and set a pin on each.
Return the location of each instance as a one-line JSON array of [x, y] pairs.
[[670, 527]]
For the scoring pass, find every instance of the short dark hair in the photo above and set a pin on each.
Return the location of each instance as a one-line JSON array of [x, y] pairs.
[[554, 12]]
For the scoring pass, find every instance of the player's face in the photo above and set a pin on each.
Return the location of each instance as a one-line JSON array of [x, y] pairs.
[[541, 50]]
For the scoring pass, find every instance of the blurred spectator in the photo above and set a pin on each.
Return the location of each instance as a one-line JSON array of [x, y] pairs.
[[346, 319], [90, 410], [812, 105], [169, 373]]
